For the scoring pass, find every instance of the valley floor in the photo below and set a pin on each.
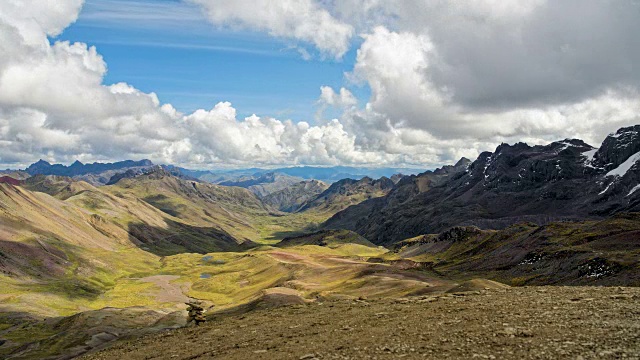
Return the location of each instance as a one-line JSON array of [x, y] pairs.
[[514, 323]]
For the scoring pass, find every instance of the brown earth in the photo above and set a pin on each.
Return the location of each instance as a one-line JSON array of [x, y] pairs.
[[511, 323], [169, 292]]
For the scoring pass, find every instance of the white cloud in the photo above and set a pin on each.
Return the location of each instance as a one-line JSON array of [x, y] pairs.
[[53, 104], [304, 20], [220, 137], [406, 101], [35, 19], [343, 98]]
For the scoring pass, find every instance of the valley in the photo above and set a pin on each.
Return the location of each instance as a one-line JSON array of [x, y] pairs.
[[319, 180], [85, 265]]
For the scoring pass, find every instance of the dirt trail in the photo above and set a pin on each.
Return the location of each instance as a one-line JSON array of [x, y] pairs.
[[515, 323], [169, 293]]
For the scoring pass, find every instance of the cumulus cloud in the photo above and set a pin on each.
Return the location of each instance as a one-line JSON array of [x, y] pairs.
[[52, 100], [343, 98], [502, 54], [304, 20], [492, 71], [447, 79], [219, 136], [54, 105]]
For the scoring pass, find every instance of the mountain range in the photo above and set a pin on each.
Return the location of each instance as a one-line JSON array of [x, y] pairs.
[[564, 180], [132, 241], [100, 173]]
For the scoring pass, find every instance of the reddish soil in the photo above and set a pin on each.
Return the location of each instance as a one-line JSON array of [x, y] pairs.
[[10, 180]]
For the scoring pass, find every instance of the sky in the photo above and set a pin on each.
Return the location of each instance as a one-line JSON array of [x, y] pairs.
[[169, 47], [215, 84]]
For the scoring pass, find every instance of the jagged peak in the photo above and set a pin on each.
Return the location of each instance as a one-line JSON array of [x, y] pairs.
[[146, 162], [41, 162], [463, 162], [158, 170], [517, 146], [625, 130], [571, 142]]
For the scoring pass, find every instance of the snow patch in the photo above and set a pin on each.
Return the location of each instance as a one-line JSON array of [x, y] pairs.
[[625, 166], [486, 166], [566, 144], [622, 134], [607, 188], [589, 155], [635, 188]]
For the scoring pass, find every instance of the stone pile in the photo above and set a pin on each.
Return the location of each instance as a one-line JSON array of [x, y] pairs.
[[196, 313]]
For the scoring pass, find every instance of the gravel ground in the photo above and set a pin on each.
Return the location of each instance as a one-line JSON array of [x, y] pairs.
[[515, 323]]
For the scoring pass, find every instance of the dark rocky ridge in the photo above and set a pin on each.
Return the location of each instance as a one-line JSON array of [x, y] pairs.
[[567, 179], [77, 168], [157, 172]]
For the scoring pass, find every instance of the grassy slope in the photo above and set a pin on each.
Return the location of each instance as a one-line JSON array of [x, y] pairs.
[[76, 254], [66, 256], [330, 238], [232, 210], [226, 280]]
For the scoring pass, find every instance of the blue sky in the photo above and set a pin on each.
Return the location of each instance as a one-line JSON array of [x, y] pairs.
[[169, 48]]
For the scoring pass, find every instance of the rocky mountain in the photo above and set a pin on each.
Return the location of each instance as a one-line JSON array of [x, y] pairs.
[[137, 171], [60, 187], [291, 198], [82, 266], [129, 174], [263, 184], [10, 180], [396, 178], [566, 179], [347, 192], [336, 173], [96, 174], [230, 209], [324, 174]]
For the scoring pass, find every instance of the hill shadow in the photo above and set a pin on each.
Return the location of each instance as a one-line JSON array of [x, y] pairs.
[[180, 238], [280, 235]]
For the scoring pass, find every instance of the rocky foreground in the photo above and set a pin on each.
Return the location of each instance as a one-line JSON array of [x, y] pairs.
[[514, 323]]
